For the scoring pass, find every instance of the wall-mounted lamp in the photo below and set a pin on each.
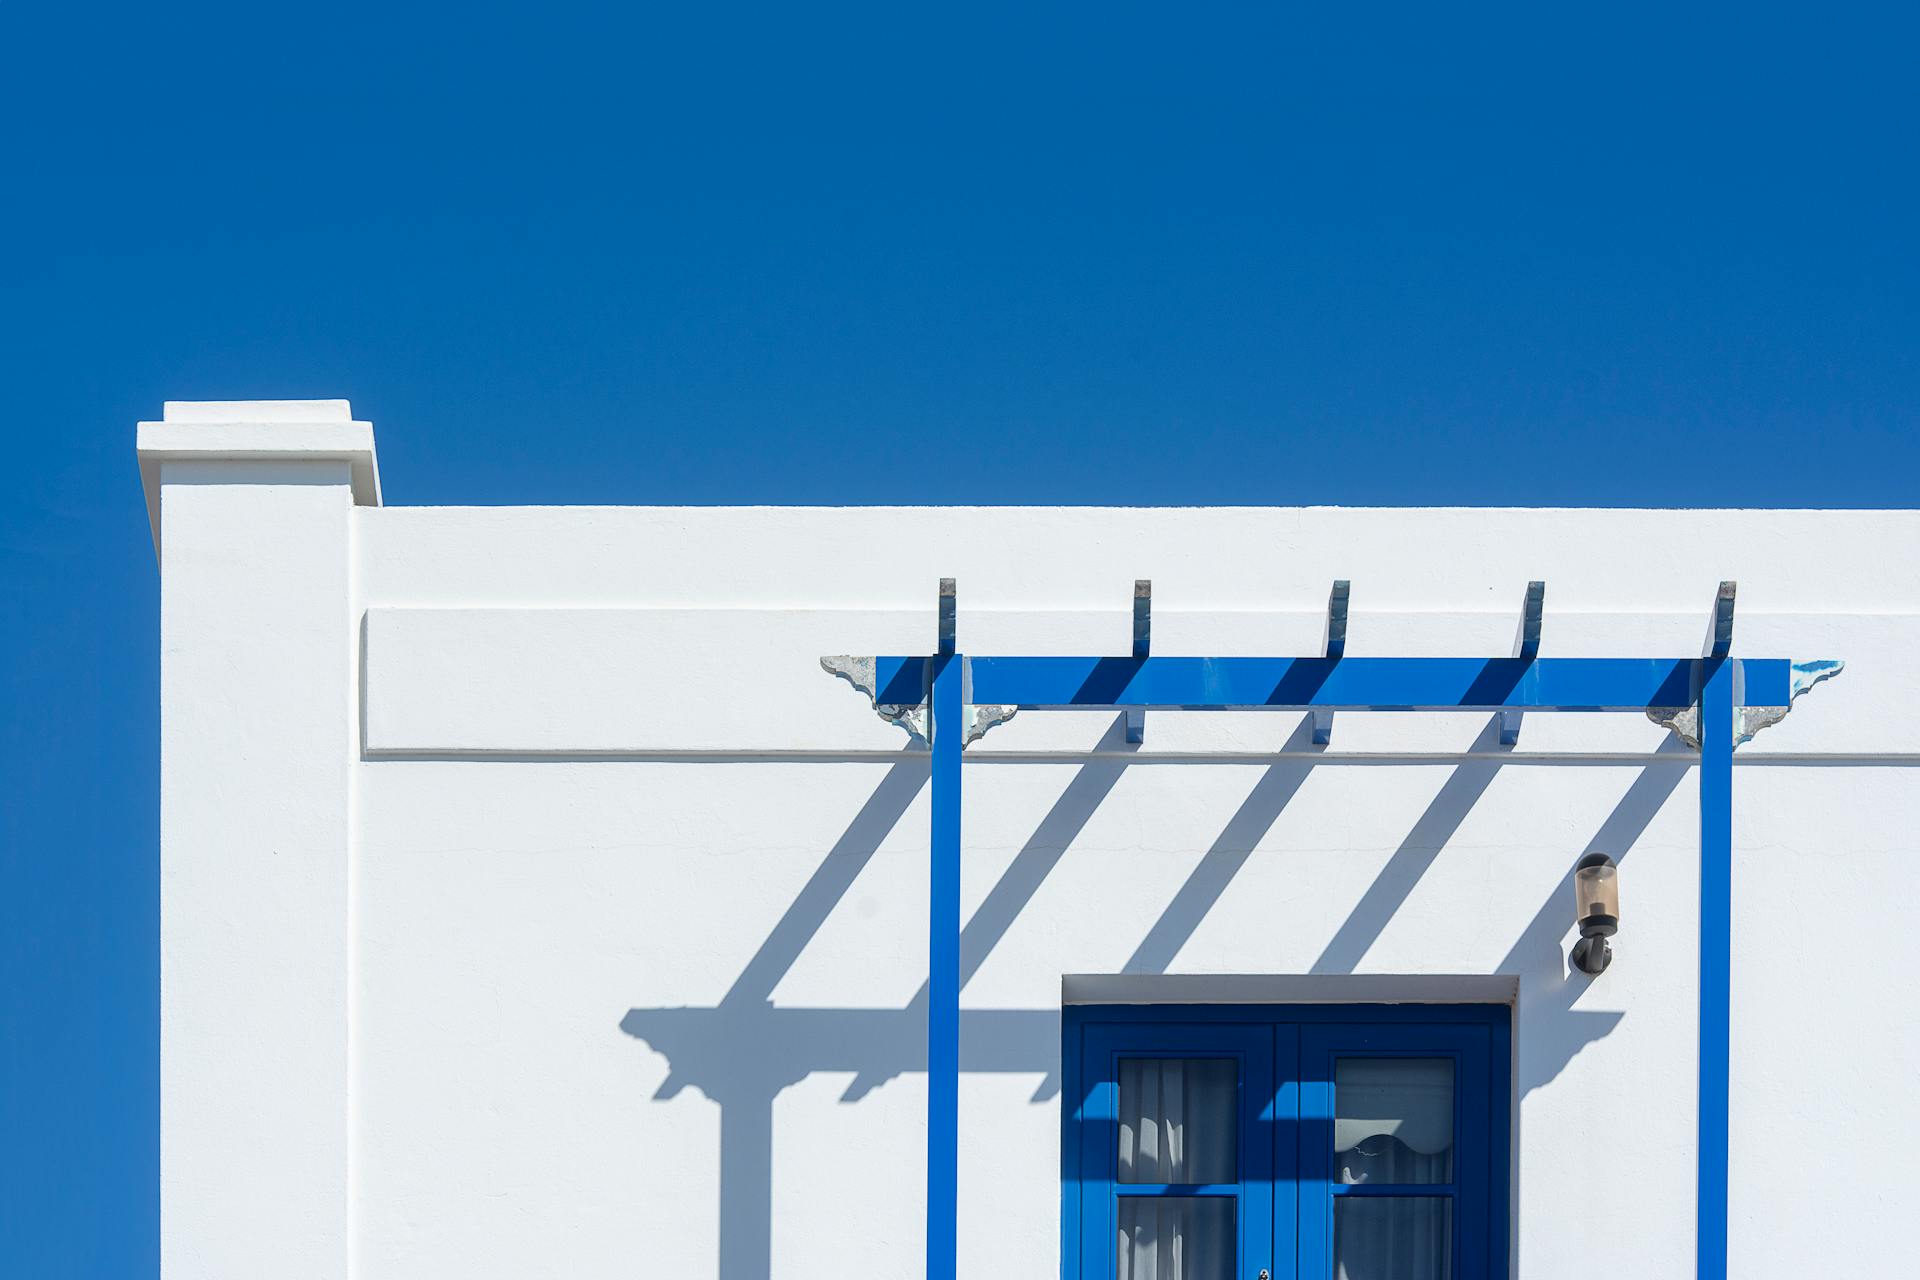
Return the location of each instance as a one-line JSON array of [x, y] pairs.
[[1596, 896]]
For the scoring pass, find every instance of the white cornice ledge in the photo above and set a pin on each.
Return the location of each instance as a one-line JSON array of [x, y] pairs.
[[257, 431]]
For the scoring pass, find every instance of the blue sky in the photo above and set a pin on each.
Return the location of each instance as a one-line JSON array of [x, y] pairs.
[[1118, 253]]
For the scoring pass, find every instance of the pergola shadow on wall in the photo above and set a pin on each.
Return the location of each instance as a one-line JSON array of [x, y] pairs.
[[704, 1046]]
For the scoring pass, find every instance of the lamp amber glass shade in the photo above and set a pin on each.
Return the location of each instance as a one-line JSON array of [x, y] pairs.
[[1597, 891]]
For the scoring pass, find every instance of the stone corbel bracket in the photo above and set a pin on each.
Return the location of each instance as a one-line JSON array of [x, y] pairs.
[[859, 672], [1747, 721]]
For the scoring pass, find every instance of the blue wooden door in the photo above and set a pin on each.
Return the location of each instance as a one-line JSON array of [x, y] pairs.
[[1302, 1142], [1395, 1152], [1176, 1131]]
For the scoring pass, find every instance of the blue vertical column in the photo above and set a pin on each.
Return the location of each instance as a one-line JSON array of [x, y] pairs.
[[1716, 960], [947, 672]]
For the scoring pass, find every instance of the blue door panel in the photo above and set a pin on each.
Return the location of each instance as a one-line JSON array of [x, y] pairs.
[[1321, 1047], [1095, 1108], [1285, 1195]]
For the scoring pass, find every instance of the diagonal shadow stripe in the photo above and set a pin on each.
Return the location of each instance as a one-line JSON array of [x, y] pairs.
[[1031, 866], [1557, 1032], [1390, 889], [1016, 886], [1224, 858], [829, 882]]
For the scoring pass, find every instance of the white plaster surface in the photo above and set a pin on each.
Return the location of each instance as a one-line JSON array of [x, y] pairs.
[[257, 757], [599, 954]]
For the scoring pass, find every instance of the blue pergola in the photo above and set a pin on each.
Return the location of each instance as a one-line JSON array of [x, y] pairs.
[[948, 681]]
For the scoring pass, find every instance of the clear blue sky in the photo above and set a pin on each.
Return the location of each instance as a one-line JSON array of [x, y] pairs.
[[1083, 253]]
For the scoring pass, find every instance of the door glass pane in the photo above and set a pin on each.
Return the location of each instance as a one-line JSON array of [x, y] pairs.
[[1392, 1238], [1393, 1120], [1178, 1120], [1176, 1238]]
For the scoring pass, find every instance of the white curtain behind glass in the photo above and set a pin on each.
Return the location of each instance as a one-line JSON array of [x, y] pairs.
[[1393, 1120], [1179, 1123], [1178, 1120], [1393, 1123], [1392, 1238], [1176, 1238]]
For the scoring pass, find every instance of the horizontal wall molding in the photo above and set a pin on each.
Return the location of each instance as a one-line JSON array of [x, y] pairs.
[[1146, 759], [621, 683]]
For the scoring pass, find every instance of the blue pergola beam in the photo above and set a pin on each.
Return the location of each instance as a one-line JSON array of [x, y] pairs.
[[1340, 684]]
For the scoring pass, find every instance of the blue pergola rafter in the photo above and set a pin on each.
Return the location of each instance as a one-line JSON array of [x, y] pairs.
[[947, 682]]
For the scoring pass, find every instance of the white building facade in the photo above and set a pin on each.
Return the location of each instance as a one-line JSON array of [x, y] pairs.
[[536, 903]]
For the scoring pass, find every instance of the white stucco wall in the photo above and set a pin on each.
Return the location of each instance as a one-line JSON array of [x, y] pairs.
[[536, 906]]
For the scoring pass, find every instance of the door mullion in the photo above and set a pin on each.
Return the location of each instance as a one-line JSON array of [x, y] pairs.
[[1286, 1148]]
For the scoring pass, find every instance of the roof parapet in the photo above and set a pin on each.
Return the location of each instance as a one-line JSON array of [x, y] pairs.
[[256, 431]]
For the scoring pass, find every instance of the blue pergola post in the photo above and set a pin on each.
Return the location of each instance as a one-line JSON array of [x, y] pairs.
[[1716, 960], [947, 732]]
